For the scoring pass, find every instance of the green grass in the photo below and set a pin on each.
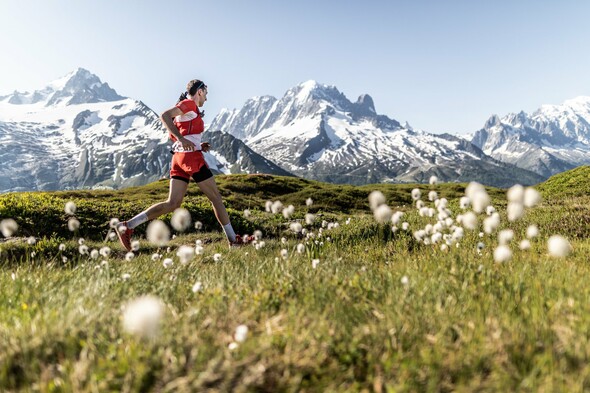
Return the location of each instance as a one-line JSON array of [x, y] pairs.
[[462, 323]]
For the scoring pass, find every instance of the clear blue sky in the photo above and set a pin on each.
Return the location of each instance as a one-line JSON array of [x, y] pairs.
[[444, 66]]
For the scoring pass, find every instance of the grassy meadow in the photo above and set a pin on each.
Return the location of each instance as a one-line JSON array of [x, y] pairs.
[[360, 308]]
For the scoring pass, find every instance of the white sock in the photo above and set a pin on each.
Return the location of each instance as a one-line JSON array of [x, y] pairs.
[[229, 232], [137, 220]]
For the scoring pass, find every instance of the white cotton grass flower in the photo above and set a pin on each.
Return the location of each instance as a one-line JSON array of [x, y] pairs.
[[217, 257], [416, 194], [288, 211], [199, 250], [70, 208], [405, 226], [232, 346], [405, 280], [525, 245], [532, 231], [491, 223], [31, 240], [247, 213], [62, 247], [514, 211], [129, 256], [81, 241], [531, 197], [383, 214], [490, 210], [142, 316], [276, 207], [469, 221], [558, 246], [478, 196], [73, 224], [284, 253], [432, 196], [105, 251], [94, 254], [114, 223], [464, 203], [480, 246], [502, 254], [241, 333], [515, 194], [315, 263], [135, 245], [420, 204], [505, 236], [309, 218], [376, 199], [295, 227], [112, 235], [258, 234], [8, 227], [167, 262], [126, 276], [158, 233], [433, 180], [198, 225], [396, 217], [268, 206], [300, 248], [156, 257], [308, 202], [83, 249], [197, 287], [181, 219], [185, 254]]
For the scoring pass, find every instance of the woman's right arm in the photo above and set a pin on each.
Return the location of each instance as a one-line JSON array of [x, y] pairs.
[[167, 118]]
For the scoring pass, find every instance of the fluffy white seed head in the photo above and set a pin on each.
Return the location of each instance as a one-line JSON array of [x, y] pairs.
[[114, 222], [135, 245], [300, 248], [276, 207], [284, 253], [217, 257], [469, 221], [296, 227], [432, 196], [94, 254], [197, 287], [382, 214], [308, 202], [405, 226], [268, 206], [185, 254], [396, 217], [309, 218], [181, 219], [142, 316], [376, 199], [105, 251], [490, 210], [247, 213], [288, 211], [83, 249], [515, 194], [416, 194], [70, 208], [158, 233], [478, 196], [491, 223], [558, 246], [502, 254], [129, 256], [73, 224], [167, 262], [405, 280], [241, 333], [464, 202], [525, 245], [8, 227], [198, 225], [532, 231], [531, 197], [514, 211], [433, 180], [505, 236], [315, 263], [420, 204]]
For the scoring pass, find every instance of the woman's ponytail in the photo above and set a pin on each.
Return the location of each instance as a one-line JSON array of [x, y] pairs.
[[183, 96]]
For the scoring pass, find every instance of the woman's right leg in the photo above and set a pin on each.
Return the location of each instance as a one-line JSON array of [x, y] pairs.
[[177, 192]]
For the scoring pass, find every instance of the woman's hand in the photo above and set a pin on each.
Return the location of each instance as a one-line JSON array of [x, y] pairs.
[[205, 146], [186, 144]]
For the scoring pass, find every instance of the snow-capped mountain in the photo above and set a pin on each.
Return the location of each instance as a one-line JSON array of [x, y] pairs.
[[553, 139], [77, 132], [314, 131]]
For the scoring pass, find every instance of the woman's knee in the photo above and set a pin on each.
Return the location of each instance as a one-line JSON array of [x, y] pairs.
[[173, 204]]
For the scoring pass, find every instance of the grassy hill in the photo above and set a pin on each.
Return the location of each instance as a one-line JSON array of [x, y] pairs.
[[356, 307]]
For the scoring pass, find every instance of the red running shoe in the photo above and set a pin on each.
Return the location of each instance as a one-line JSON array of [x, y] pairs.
[[124, 234], [241, 241]]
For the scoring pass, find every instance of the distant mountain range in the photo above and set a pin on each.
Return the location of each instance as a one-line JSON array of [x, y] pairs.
[[77, 132]]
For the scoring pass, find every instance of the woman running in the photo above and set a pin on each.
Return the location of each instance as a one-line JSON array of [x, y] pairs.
[[185, 125]]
